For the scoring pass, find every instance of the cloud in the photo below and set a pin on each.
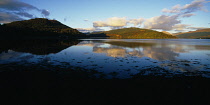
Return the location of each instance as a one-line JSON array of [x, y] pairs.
[[118, 22], [19, 10], [167, 22], [187, 15], [85, 30], [197, 28], [7, 17], [194, 6], [113, 22], [86, 20], [45, 13], [180, 27], [175, 9], [136, 22], [162, 22], [24, 14]]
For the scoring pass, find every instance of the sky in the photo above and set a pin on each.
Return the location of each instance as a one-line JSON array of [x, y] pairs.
[[99, 15]]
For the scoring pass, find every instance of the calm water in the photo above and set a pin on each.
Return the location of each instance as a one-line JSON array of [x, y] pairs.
[[124, 58]]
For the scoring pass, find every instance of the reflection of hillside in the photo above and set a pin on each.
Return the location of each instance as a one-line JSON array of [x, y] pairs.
[[38, 46], [202, 47], [130, 44]]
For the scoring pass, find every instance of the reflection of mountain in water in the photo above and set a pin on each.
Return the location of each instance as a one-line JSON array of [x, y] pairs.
[[37, 46]]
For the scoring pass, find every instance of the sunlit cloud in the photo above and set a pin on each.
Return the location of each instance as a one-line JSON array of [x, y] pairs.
[[118, 22], [173, 22], [196, 28], [113, 22], [136, 22], [196, 5], [19, 10], [85, 30], [180, 27], [163, 22]]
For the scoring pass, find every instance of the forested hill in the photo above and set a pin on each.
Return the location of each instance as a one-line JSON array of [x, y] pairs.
[[132, 33], [202, 33], [38, 27]]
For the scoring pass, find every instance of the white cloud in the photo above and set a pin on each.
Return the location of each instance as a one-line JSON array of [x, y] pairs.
[[118, 22], [180, 27], [162, 22], [197, 28], [136, 22], [85, 30], [170, 11], [99, 24], [194, 6], [111, 22], [172, 22]]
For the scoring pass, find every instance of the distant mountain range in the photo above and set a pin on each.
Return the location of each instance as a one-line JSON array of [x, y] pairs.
[[38, 27], [132, 33], [202, 33], [42, 27]]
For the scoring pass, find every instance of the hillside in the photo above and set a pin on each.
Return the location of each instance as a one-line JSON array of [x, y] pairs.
[[202, 33], [38, 27], [132, 33]]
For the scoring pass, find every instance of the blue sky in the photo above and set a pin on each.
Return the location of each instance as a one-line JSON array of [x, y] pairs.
[[92, 15]]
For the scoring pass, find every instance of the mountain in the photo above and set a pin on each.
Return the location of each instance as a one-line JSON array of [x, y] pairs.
[[202, 33], [38, 27], [132, 33]]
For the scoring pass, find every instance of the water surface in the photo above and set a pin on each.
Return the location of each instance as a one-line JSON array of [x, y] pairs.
[[122, 58]]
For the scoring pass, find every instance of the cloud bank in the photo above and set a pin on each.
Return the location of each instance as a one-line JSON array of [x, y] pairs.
[[14, 10], [118, 22], [170, 20]]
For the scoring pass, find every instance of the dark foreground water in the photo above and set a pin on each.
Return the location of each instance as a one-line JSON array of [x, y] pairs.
[[75, 72], [113, 58]]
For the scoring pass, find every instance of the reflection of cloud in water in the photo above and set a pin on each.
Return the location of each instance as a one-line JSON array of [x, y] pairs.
[[179, 49], [89, 43], [136, 53], [164, 53], [113, 52], [86, 44], [9, 55]]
